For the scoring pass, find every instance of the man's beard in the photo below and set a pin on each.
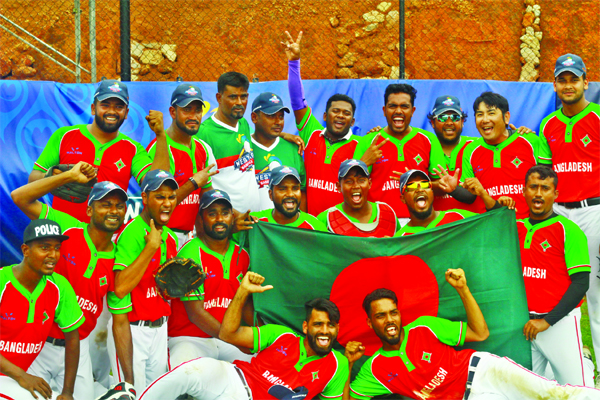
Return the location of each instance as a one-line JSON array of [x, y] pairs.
[[217, 235], [287, 213], [422, 214], [106, 127], [185, 129], [312, 342], [448, 142]]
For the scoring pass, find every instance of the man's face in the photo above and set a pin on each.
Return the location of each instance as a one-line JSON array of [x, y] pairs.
[[42, 255], [108, 213], [320, 332], [339, 118], [188, 118], [491, 124], [385, 320], [569, 87], [540, 195], [160, 203], [286, 196], [217, 220], [233, 101], [269, 125], [448, 126], [418, 199], [109, 114], [355, 188], [398, 112]]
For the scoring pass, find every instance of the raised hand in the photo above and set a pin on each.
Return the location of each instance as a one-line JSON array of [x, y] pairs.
[[354, 351], [82, 172], [243, 222], [374, 153], [447, 182], [508, 202], [521, 130], [456, 278], [201, 177], [153, 238], [33, 383], [292, 48], [474, 186], [155, 122], [252, 283]]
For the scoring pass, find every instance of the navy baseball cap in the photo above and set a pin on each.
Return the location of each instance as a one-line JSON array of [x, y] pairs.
[[569, 62], [213, 195], [347, 165], [446, 103], [269, 103], [279, 173], [155, 178], [110, 88], [102, 189], [184, 94], [43, 229], [409, 174]]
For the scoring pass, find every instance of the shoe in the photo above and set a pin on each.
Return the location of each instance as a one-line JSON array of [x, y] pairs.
[[587, 353]]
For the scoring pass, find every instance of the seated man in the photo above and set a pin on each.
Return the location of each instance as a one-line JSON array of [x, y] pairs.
[[418, 360], [357, 216], [285, 363]]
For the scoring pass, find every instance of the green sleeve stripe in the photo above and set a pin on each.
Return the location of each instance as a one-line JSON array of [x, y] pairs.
[[142, 173], [359, 396], [256, 339], [461, 337], [305, 120], [74, 325], [119, 267], [579, 268]]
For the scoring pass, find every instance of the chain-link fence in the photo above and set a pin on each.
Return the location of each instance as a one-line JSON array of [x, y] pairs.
[[198, 40]]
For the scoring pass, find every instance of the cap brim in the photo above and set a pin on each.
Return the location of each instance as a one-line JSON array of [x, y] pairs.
[[576, 71], [365, 170], [62, 238], [272, 110], [118, 190], [275, 183], [443, 110], [204, 207], [186, 102], [111, 96]]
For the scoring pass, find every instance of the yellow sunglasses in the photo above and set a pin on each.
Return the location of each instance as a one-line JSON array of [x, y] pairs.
[[415, 185]]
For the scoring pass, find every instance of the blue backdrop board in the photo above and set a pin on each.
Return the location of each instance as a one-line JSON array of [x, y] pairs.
[[31, 111]]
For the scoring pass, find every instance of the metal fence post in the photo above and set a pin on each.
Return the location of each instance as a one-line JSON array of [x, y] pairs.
[[77, 41], [401, 49], [125, 42], [92, 18]]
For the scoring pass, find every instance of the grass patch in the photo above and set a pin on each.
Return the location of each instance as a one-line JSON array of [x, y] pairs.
[[586, 334]]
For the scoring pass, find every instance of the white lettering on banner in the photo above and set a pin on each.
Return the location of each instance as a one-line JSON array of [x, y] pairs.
[[322, 184], [220, 302], [193, 198], [87, 305], [275, 380], [21, 347], [504, 190], [534, 272], [425, 393], [573, 167]]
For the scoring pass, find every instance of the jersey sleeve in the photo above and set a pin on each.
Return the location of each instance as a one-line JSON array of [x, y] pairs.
[[534, 140], [189, 250], [576, 249], [68, 315], [265, 335], [308, 125], [316, 223], [210, 159], [467, 168], [448, 332], [544, 153], [335, 387], [141, 163], [130, 244], [64, 220], [363, 144], [365, 385], [117, 305], [51, 154], [436, 155]]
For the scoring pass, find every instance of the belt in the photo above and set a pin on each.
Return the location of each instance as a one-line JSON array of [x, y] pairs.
[[152, 324], [593, 201], [533, 315], [471, 375], [241, 375], [56, 342]]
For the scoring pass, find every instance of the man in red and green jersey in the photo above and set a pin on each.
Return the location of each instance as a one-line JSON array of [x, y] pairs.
[[418, 360], [357, 216], [286, 363], [228, 134], [400, 146], [501, 157], [196, 319], [116, 156], [325, 148], [33, 297], [556, 269], [270, 151], [86, 261], [570, 142], [187, 155]]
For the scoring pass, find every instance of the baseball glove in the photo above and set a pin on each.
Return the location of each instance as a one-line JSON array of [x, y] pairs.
[[74, 192], [121, 391], [179, 277]]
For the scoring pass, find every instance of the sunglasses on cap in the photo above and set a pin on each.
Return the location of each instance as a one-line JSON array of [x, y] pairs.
[[445, 117], [415, 185]]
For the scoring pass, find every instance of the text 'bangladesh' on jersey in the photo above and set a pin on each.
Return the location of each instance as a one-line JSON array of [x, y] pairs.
[[572, 146], [117, 161]]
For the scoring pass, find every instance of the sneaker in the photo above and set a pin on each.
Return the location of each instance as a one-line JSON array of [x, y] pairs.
[[587, 353]]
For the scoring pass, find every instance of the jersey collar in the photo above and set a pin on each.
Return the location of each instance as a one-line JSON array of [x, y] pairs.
[[347, 137], [224, 125], [260, 146]]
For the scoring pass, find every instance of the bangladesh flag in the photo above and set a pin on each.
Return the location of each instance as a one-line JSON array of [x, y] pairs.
[[303, 264]]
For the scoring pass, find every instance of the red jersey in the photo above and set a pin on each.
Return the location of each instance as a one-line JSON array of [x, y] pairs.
[[445, 217]]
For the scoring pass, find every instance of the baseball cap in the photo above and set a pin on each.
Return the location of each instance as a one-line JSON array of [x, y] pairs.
[[101, 189], [213, 195], [110, 88], [42, 229], [279, 173], [407, 175], [184, 94], [155, 178], [347, 165], [269, 103], [446, 103], [569, 62]]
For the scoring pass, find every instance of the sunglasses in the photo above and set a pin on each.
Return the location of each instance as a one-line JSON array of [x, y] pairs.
[[445, 117], [415, 185]]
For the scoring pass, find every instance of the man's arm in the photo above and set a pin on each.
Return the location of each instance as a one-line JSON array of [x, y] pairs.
[[124, 345], [354, 351], [35, 175], [292, 51], [26, 381], [161, 158], [231, 331], [202, 318], [71, 363], [201, 178], [477, 329]]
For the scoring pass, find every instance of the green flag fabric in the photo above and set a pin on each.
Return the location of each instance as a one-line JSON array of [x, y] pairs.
[[303, 264]]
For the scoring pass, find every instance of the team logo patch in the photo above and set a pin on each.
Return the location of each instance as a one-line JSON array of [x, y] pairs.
[[217, 194], [111, 186], [115, 88], [418, 159], [240, 277], [586, 140], [353, 162], [545, 245], [120, 164], [516, 162], [287, 170], [191, 91], [274, 99], [7, 317], [103, 281], [282, 350], [448, 102], [315, 375], [46, 317], [392, 376], [568, 62], [426, 357], [162, 174]]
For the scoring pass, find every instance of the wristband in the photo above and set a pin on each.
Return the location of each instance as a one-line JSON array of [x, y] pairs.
[[196, 186]]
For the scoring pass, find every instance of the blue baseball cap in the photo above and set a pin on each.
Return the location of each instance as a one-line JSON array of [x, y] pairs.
[[214, 195], [184, 94], [102, 189], [110, 88], [279, 173], [269, 103], [42, 229], [569, 62], [155, 178], [446, 103], [347, 165], [407, 175]]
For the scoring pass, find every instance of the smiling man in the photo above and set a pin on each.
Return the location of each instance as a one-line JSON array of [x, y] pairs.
[[357, 216], [287, 365]]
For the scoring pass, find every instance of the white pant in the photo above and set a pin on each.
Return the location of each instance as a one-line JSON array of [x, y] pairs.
[[150, 355], [50, 365], [186, 348], [183, 238], [588, 219], [202, 378], [501, 378], [11, 390], [98, 349]]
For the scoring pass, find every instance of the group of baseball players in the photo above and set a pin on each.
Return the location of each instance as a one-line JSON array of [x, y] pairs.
[[101, 328]]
